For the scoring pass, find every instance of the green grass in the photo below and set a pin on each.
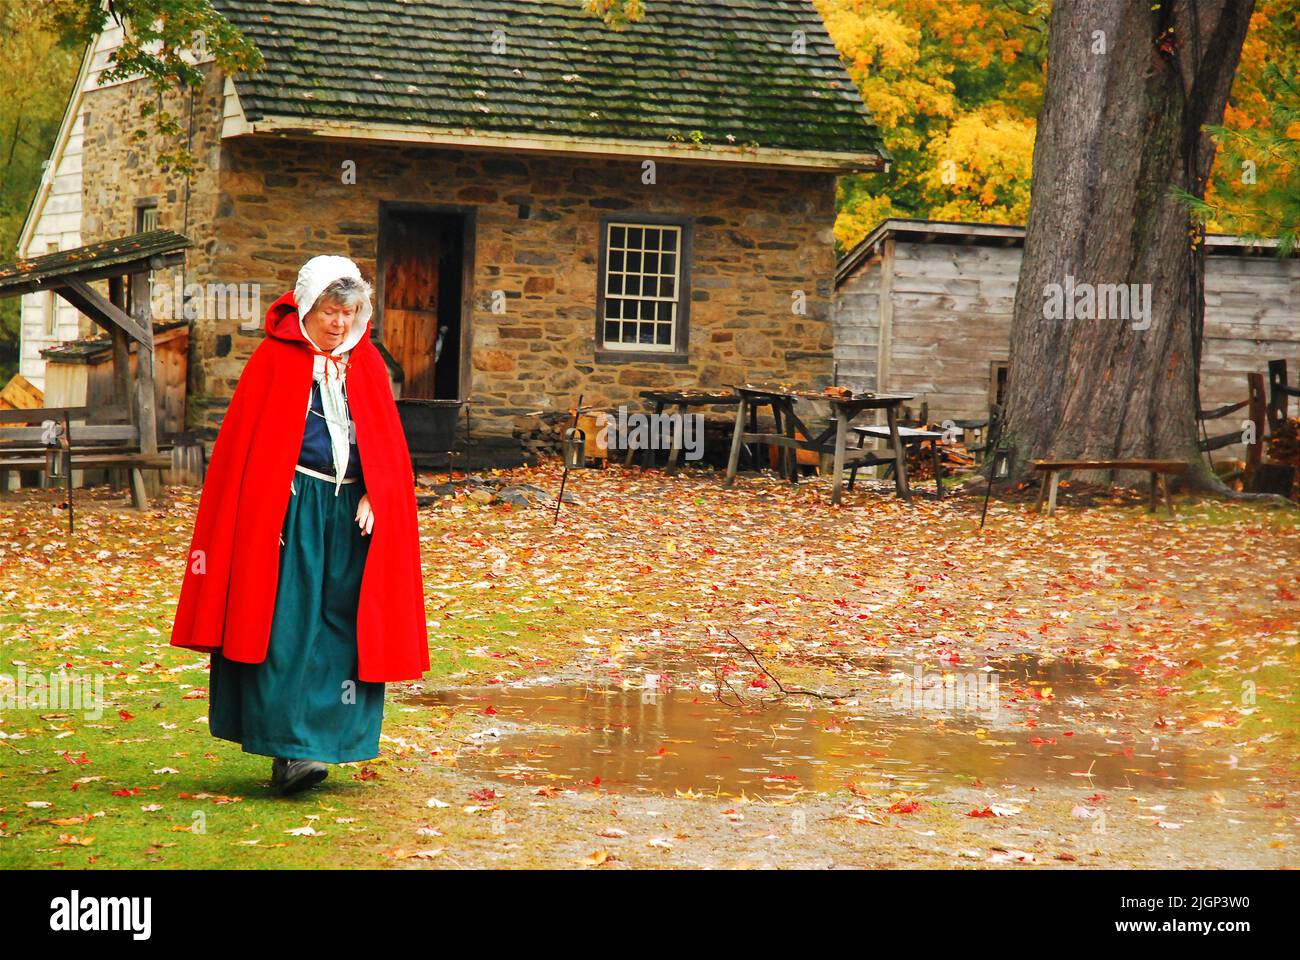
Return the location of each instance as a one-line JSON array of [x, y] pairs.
[[218, 809]]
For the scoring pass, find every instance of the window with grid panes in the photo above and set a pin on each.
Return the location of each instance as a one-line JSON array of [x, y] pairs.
[[146, 217], [642, 300]]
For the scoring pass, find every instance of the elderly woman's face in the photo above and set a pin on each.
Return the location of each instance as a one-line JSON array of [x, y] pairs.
[[328, 322]]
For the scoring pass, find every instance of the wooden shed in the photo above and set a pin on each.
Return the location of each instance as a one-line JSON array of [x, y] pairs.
[[924, 307]]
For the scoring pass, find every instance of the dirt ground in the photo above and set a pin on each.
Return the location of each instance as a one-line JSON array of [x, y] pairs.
[[680, 675]]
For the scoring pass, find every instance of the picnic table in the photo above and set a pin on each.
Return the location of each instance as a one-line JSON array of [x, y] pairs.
[[682, 399], [844, 408]]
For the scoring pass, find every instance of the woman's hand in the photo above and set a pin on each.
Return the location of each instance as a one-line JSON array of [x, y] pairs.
[[365, 516]]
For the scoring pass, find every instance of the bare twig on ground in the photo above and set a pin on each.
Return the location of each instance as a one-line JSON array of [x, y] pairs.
[[788, 691]]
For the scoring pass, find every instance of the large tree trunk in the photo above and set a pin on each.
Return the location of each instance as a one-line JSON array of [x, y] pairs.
[[1118, 131]]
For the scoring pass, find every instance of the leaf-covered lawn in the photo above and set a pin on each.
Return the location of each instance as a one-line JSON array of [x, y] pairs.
[[649, 574]]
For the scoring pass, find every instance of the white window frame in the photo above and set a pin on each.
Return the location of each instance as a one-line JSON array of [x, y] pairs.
[[50, 316], [676, 300]]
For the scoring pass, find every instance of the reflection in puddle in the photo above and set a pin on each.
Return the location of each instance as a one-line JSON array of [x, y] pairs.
[[684, 739]]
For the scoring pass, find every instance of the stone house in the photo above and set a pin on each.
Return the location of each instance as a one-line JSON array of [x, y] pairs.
[[567, 208], [924, 307]]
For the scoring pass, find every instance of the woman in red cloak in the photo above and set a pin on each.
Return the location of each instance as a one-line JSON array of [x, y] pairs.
[[303, 579]]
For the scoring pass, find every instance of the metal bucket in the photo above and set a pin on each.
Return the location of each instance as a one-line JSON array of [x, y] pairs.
[[429, 425]]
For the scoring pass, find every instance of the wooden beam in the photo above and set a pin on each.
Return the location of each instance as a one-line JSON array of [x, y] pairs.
[[86, 299], [144, 388], [91, 273]]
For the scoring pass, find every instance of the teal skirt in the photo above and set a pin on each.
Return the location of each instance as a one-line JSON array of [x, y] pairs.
[[304, 700]]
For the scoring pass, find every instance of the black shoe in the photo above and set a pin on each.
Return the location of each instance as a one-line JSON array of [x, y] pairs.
[[291, 776]]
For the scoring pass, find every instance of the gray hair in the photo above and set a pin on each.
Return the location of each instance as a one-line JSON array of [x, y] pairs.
[[346, 292]]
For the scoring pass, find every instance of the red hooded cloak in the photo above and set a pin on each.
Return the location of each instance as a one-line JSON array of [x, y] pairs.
[[228, 593]]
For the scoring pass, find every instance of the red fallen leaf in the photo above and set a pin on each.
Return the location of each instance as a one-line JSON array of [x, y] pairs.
[[1095, 798], [490, 711], [986, 812], [485, 794], [1040, 741], [1067, 733], [661, 751], [595, 781], [71, 759], [1277, 804], [129, 792], [125, 716], [1284, 594], [910, 806], [1067, 857], [366, 773]]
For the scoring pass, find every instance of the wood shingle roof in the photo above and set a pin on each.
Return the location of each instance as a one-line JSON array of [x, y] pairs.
[[720, 72]]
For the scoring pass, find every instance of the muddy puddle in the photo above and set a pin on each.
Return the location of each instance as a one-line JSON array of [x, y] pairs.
[[1041, 725]]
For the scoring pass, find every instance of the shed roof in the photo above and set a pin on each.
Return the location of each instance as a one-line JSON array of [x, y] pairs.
[[716, 72], [108, 258], [999, 234]]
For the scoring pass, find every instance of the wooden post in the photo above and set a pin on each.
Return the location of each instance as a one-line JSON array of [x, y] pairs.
[[1051, 492], [900, 459], [737, 441], [146, 401], [121, 372], [1258, 415], [1277, 398], [841, 430], [675, 454], [789, 452]]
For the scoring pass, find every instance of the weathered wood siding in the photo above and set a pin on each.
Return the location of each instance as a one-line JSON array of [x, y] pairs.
[[1252, 316], [951, 323], [951, 320], [855, 320]]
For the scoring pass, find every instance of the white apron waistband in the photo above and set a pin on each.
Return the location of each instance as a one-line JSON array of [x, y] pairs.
[[324, 476]]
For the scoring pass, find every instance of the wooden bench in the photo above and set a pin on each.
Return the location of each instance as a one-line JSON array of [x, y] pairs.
[[1158, 469], [908, 435], [88, 446]]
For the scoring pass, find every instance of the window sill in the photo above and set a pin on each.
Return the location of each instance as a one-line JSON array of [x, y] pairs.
[[641, 356]]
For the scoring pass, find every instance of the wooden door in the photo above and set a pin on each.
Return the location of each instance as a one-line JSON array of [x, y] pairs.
[[410, 329]]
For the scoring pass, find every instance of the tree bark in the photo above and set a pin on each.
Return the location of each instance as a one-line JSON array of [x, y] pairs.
[[1129, 89]]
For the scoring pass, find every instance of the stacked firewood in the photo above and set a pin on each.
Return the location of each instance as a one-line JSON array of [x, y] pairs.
[[1284, 444], [953, 458], [542, 434], [1284, 447]]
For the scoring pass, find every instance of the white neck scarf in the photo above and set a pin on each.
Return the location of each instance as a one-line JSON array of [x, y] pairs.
[[334, 402]]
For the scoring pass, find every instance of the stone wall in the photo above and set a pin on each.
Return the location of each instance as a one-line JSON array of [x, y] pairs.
[[119, 170], [257, 208], [758, 237]]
